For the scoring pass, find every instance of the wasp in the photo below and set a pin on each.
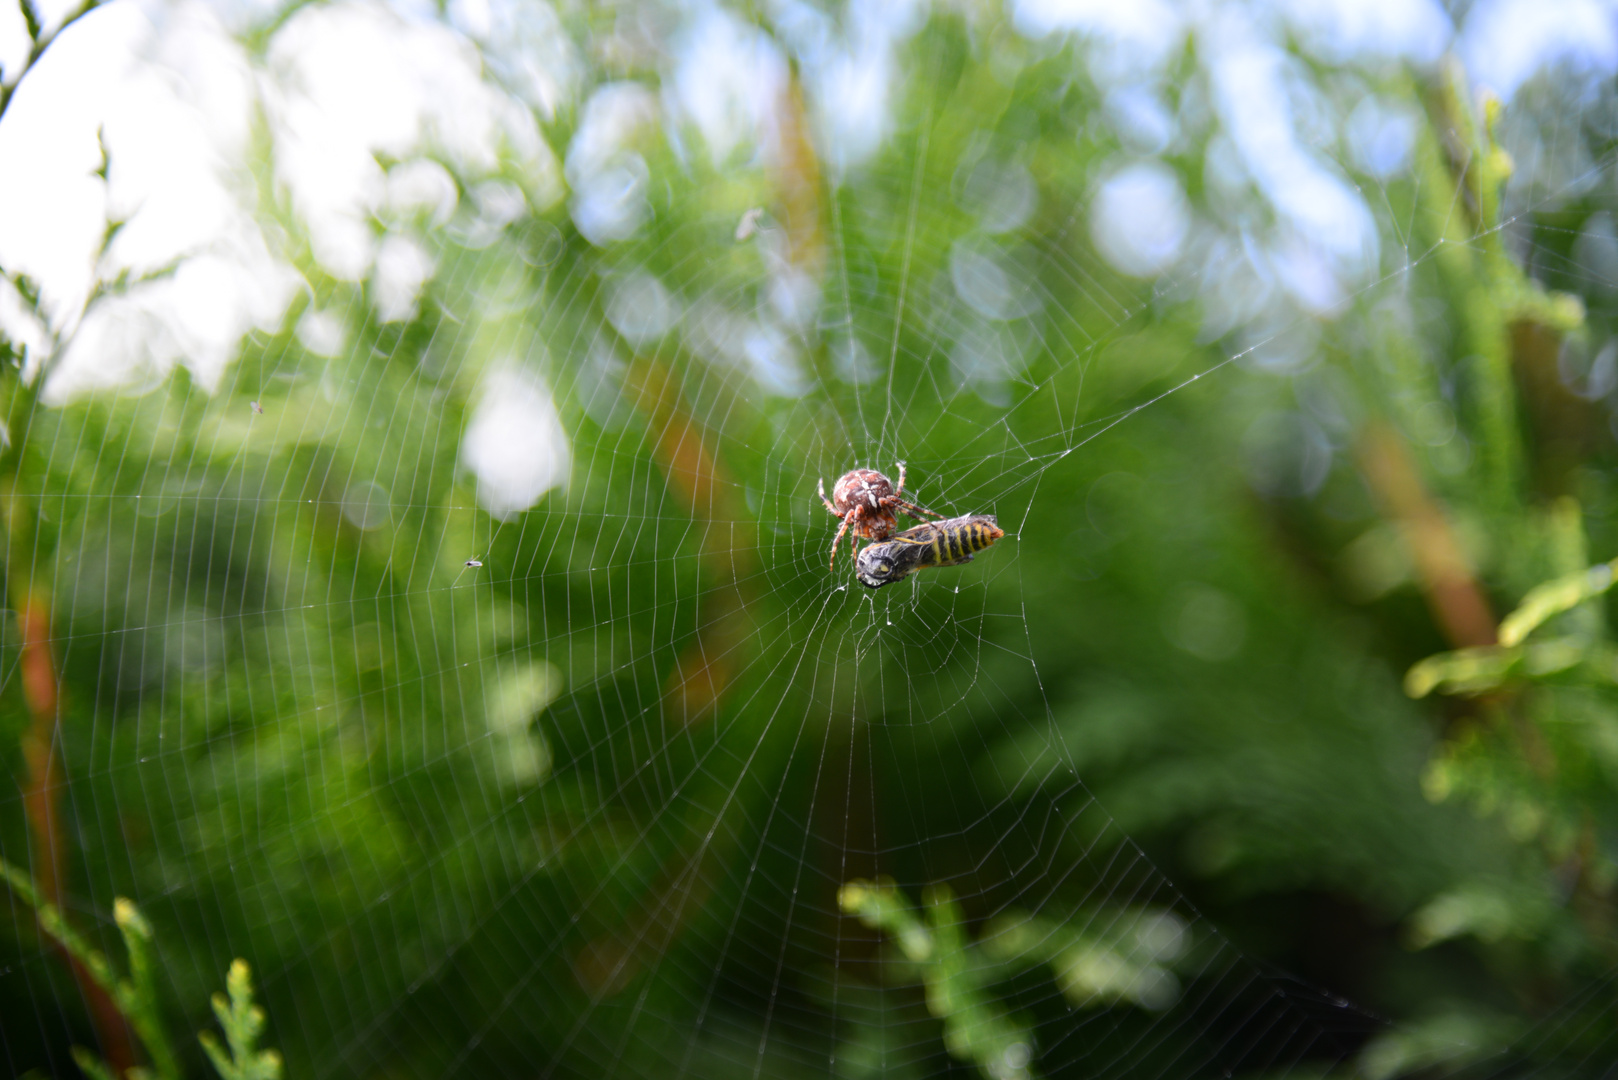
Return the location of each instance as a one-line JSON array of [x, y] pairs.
[[950, 542]]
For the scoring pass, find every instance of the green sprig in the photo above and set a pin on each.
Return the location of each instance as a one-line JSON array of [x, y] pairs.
[[976, 1028], [135, 997], [243, 1023]]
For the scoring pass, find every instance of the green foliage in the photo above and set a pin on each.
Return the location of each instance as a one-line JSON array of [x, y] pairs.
[[91, 1065], [1100, 958], [136, 996], [243, 1023], [976, 1029], [1443, 1042], [1539, 750]]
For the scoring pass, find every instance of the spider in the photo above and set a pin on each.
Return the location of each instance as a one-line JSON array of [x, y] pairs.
[[866, 501]]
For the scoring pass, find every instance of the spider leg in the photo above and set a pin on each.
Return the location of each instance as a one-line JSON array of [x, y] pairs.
[[912, 510], [841, 529], [829, 507], [895, 502]]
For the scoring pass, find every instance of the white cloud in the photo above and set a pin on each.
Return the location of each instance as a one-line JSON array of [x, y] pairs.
[[1253, 97], [608, 177], [402, 268], [1139, 218], [1130, 39], [610, 121], [173, 98], [728, 79], [166, 90], [641, 308], [422, 186], [1342, 31], [322, 332], [848, 72], [351, 81], [514, 443], [523, 41], [1504, 43], [55, 206]]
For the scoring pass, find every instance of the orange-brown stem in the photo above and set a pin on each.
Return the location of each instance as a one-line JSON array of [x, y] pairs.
[[610, 962], [707, 667], [39, 687], [798, 184], [1457, 603]]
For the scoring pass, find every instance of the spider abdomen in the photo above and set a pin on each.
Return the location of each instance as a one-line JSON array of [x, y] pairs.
[[861, 487]]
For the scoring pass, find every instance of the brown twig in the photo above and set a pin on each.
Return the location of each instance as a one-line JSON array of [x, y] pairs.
[[798, 184], [39, 686], [707, 667], [1457, 602]]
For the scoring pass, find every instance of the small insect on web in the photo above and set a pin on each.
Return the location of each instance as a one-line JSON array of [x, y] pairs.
[[749, 224], [258, 410], [476, 561]]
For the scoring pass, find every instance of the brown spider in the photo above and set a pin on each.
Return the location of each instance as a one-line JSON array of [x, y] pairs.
[[866, 501]]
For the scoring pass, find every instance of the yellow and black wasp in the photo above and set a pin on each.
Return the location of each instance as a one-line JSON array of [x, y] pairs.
[[950, 542]]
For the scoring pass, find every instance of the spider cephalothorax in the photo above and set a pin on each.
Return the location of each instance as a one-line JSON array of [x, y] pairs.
[[866, 501]]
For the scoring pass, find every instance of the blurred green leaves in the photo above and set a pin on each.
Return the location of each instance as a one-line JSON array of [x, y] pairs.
[[1103, 957], [976, 1029], [1541, 751]]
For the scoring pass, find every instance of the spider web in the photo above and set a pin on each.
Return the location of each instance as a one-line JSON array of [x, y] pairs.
[[595, 806]]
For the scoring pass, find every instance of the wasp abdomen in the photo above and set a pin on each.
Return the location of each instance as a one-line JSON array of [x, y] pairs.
[[956, 540], [950, 542]]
